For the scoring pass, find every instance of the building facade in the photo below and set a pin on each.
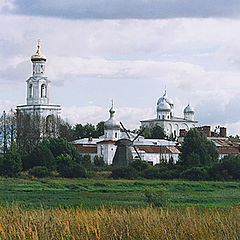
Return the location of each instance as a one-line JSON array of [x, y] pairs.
[[166, 119], [151, 150]]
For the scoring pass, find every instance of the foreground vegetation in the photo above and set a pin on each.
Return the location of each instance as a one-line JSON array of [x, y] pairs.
[[110, 223], [94, 193]]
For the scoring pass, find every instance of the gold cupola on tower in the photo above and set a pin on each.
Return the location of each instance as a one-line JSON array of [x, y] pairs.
[[37, 56]]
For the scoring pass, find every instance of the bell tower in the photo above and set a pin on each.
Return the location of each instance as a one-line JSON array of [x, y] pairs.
[[37, 84], [38, 108]]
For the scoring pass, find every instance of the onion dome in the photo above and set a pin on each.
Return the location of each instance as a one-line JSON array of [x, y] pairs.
[[112, 123], [37, 57], [167, 99], [163, 106], [188, 109]]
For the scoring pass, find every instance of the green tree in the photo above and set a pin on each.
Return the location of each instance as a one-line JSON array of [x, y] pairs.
[[154, 132], [66, 131], [197, 150], [40, 156], [100, 129], [11, 162]]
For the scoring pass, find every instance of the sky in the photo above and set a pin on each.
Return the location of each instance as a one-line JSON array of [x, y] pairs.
[[129, 51]]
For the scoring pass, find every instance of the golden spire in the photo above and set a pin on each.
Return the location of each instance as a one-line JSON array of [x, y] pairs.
[[38, 47], [37, 56]]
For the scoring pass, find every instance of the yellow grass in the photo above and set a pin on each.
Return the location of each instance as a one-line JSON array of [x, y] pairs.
[[141, 223]]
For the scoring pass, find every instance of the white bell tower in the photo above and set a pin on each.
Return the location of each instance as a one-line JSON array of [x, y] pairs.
[[37, 84], [38, 97]]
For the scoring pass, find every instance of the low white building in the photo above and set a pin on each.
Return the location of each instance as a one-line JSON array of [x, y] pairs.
[[166, 119], [151, 150]]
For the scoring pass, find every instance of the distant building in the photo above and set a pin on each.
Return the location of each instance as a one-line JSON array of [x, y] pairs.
[[172, 125], [150, 150]]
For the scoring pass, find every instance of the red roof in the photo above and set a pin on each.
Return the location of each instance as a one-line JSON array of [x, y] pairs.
[[228, 150], [158, 149], [84, 149], [107, 141]]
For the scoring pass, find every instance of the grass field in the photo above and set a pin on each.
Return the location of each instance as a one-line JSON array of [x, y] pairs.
[[92, 194], [132, 223]]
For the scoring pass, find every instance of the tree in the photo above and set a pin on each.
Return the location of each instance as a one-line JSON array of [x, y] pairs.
[[100, 129], [197, 150], [66, 131], [40, 156], [11, 162], [154, 132]]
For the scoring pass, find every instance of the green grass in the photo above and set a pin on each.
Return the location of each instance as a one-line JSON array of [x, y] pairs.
[[91, 193]]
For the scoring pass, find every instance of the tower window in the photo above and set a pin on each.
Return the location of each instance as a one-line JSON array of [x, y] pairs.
[[43, 90], [115, 135], [30, 91]]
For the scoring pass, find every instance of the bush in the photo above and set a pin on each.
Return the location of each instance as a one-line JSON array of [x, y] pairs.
[[11, 163], [161, 172], [195, 174], [227, 169], [68, 168], [40, 156], [99, 162], [125, 172], [39, 171], [139, 165], [157, 198]]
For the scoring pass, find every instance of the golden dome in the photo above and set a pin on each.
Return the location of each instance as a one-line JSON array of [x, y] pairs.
[[37, 56]]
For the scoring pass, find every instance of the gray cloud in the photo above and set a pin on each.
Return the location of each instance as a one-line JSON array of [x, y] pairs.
[[121, 9]]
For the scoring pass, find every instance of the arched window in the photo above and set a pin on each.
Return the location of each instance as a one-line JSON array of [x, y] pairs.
[[50, 124], [30, 90], [43, 90]]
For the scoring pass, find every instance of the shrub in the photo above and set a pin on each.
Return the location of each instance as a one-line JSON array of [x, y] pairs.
[[98, 161], [157, 198], [68, 168], [39, 171], [11, 162], [125, 172], [227, 169], [40, 156], [195, 173], [139, 165]]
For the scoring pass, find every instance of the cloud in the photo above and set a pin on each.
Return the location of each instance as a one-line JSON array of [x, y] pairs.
[[93, 114], [119, 9], [93, 61]]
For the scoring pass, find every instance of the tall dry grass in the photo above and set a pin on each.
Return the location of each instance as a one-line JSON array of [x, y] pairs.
[[142, 223]]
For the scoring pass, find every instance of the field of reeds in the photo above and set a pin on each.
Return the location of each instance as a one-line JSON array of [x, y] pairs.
[[114, 223]]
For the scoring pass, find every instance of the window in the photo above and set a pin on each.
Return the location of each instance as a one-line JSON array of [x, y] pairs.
[[115, 135], [43, 90], [50, 124], [30, 90]]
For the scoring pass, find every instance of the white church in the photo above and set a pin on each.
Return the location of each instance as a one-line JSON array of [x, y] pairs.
[[150, 150], [166, 119]]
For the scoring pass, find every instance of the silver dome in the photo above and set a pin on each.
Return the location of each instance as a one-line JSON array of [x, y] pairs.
[[165, 98], [111, 123], [188, 109], [163, 106]]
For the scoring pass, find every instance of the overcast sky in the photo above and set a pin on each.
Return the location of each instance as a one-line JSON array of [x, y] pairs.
[[126, 50]]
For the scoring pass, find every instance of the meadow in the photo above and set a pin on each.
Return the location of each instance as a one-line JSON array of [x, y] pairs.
[[92, 193]]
